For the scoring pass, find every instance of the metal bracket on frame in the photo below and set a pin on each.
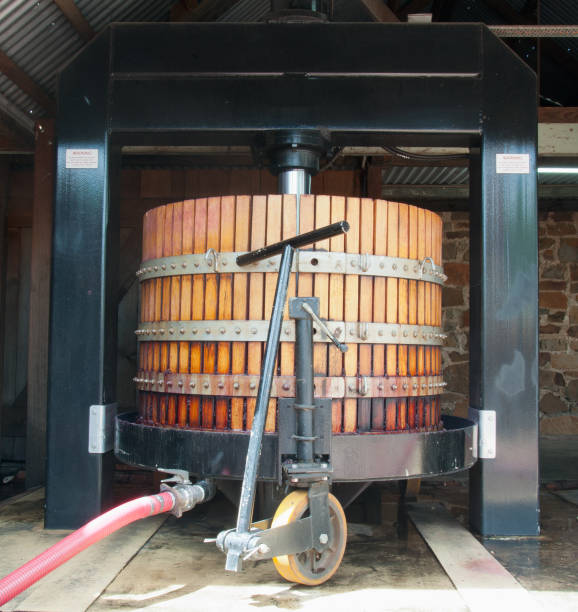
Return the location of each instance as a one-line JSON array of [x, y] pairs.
[[101, 428], [486, 438]]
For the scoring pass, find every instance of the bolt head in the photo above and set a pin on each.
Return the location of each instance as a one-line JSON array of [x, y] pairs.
[[323, 538]]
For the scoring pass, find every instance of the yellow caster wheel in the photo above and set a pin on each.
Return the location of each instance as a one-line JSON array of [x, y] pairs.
[[310, 567]]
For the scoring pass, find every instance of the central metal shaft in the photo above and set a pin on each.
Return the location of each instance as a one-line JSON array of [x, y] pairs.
[[295, 180]]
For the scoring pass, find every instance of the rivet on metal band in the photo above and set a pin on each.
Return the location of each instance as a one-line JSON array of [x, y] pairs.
[[243, 385], [348, 332], [309, 261]]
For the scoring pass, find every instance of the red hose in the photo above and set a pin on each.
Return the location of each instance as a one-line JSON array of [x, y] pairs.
[[102, 526]]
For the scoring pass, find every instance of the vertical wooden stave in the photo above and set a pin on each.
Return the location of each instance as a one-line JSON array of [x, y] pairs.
[[289, 229], [321, 283], [351, 309], [198, 304], [185, 307], [379, 312], [412, 309], [211, 307], [428, 313], [421, 253], [175, 305], [240, 303], [402, 310], [391, 310], [366, 233], [256, 292], [273, 234], [336, 293], [225, 307]]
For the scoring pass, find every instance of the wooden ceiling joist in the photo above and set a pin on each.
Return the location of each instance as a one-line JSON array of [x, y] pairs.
[[76, 18], [26, 84]]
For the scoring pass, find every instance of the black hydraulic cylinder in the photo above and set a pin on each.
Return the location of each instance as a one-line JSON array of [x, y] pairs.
[[252, 463], [297, 242], [304, 401]]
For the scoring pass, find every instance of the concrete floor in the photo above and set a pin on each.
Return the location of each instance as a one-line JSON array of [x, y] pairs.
[[387, 565]]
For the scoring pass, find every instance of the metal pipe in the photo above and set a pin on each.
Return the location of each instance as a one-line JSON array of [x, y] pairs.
[[304, 401], [252, 463], [295, 180]]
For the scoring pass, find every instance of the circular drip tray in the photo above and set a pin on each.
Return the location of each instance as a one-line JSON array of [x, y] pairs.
[[354, 457]]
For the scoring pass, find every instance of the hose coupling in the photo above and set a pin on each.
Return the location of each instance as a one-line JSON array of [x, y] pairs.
[[186, 494]]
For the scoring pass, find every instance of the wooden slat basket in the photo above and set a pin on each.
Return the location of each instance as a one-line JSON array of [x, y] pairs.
[[203, 320]]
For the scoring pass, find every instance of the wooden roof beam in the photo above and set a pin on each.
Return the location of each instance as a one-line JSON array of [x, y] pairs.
[[26, 84], [76, 18]]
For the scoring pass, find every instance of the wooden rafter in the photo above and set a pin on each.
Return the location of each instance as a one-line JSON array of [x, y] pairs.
[[26, 84], [562, 114], [76, 18], [379, 11]]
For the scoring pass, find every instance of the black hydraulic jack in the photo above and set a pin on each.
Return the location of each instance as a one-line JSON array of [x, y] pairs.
[[306, 537]]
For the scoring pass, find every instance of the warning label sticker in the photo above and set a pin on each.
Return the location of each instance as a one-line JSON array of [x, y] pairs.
[[512, 163], [82, 158]]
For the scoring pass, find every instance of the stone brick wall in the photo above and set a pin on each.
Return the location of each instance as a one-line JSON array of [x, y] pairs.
[[558, 249], [558, 270], [456, 312]]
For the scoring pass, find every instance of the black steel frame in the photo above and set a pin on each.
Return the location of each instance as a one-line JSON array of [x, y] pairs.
[[405, 84]]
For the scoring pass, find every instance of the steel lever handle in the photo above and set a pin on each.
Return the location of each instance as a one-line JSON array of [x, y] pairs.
[[301, 240], [342, 347]]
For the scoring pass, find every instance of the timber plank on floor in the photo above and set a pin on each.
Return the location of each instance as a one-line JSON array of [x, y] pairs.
[[480, 579]]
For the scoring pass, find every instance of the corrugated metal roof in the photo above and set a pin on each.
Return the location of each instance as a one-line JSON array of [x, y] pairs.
[[558, 179], [37, 36], [39, 39], [425, 175], [100, 14], [438, 175], [247, 11]]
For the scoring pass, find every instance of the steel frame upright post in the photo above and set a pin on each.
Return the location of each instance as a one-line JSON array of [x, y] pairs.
[[504, 300], [82, 354]]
